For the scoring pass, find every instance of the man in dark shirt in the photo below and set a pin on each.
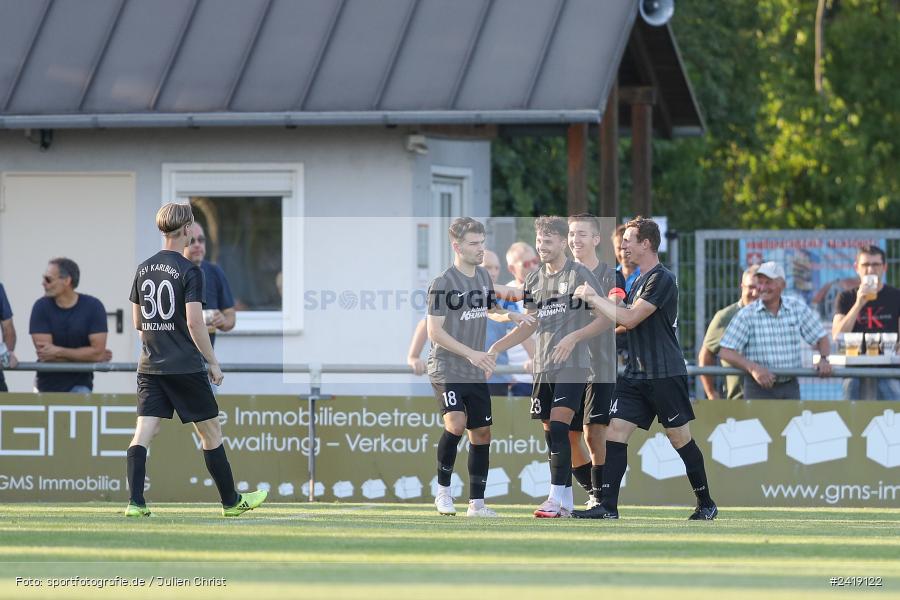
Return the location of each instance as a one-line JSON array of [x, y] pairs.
[[584, 238], [218, 302], [873, 307], [459, 301], [7, 337], [561, 360], [655, 379], [177, 363], [67, 326]]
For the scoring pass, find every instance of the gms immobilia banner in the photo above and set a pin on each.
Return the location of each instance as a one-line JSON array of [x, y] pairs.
[[67, 447]]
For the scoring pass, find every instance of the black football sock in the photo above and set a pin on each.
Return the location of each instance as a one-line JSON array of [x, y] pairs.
[[613, 471], [560, 453], [696, 472], [596, 481], [582, 474], [549, 442], [479, 463], [218, 466], [446, 457], [136, 470]]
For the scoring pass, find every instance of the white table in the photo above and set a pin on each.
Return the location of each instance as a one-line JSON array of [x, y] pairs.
[[868, 386]]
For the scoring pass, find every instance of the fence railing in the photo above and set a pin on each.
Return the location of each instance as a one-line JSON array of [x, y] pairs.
[[316, 370]]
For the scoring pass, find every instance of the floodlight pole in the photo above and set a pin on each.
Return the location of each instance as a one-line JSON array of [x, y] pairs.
[[315, 388]]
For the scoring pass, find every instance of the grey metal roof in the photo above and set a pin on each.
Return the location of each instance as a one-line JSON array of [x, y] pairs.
[[108, 63]]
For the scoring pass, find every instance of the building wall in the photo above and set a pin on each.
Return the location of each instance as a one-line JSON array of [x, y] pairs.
[[351, 175]]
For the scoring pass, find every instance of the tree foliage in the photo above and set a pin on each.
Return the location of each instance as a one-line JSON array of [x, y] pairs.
[[775, 154]]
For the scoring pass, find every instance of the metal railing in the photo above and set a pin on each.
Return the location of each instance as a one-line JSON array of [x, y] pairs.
[[316, 370]]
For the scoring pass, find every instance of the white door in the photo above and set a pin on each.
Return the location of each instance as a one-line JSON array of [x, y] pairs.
[[86, 217], [447, 204]]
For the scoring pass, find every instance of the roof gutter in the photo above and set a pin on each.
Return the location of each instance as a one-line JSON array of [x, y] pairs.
[[291, 119]]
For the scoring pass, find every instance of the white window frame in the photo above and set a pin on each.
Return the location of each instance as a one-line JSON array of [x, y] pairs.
[[181, 181]]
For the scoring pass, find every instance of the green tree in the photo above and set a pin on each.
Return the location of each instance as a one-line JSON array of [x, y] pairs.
[[775, 153]]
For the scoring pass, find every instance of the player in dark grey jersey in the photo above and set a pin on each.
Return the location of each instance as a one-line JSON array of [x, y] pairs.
[[459, 301], [177, 363], [584, 241], [655, 379], [561, 359]]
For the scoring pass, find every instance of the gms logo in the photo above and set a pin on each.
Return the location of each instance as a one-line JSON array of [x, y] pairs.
[[39, 439], [416, 300]]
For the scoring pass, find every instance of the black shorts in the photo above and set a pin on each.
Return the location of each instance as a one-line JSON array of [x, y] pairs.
[[472, 398], [188, 393], [561, 388], [597, 399], [639, 400]]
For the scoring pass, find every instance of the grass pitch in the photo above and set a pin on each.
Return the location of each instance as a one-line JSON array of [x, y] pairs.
[[393, 551]]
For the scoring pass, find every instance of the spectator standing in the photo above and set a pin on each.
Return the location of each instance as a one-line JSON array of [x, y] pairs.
[[218, 302], [734, 386], [67, 326], [521, 259], [497, 383], [626, 271], [769, 334], [869, 308], [7, 338]]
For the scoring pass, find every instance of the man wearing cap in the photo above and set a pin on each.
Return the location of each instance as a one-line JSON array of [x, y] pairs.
[[771, 333], [709, 351]]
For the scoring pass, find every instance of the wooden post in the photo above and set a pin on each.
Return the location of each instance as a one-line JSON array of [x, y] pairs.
[[609, 156], [577, 180], [641, 158]]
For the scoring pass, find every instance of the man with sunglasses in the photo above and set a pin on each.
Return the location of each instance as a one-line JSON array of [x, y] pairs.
[[218, 301], [873, 307], [67, 326]]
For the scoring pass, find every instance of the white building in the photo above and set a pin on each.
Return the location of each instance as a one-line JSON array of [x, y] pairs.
[[318, 141]]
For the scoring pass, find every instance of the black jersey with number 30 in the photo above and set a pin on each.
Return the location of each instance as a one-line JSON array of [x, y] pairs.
[[162, 285]]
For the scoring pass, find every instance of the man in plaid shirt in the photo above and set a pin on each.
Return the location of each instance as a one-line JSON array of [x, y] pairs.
[[770, 334]]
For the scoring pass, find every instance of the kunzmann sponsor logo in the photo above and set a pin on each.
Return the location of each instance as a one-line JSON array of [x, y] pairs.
[[474, 313], [549, 311]]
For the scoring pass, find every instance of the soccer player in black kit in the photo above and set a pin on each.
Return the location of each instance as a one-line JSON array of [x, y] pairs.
[[459, 301], [584, 238], [655, 379], [561, 359], [177, 363]]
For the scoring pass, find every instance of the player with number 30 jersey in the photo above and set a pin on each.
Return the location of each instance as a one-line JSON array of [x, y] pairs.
[[177, 363]]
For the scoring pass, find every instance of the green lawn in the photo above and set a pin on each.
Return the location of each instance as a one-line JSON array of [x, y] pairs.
[[407, 551]]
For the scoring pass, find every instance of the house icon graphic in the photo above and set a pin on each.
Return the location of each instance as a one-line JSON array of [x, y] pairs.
[[319, 489], [373, 488], [883, 439], [659, 459], [740, 443], [535, 479], [497, 483], [815, 438], [408, 487], [342, 489], [456, 486]]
